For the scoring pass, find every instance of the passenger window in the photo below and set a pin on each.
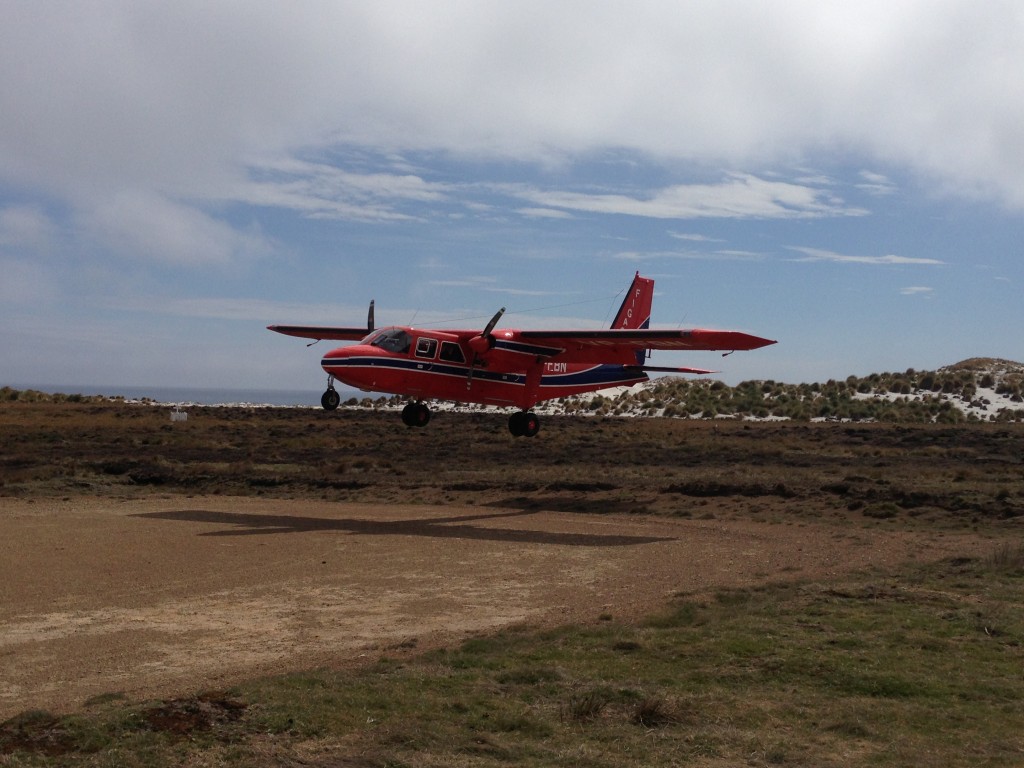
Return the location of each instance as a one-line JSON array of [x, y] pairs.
[[451, 352], [426, 347]]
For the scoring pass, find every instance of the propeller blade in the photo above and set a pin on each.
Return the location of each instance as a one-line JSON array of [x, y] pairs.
[[494, 321], [482, 343], [369, 318]]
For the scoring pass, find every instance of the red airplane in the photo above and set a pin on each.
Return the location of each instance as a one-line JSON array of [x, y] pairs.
[[509, 367]]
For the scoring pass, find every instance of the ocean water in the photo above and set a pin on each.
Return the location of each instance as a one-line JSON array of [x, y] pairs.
[[197, 395]]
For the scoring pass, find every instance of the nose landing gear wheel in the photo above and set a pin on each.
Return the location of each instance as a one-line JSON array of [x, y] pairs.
[[330, 399], [524, 424], [415, 415]]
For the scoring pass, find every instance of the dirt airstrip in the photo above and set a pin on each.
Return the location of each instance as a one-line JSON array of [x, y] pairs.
[[153, 559], [162, 596]]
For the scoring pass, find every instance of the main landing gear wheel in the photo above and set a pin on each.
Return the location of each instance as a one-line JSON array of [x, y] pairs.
[[415, 415], [524, 424], [330, 400]]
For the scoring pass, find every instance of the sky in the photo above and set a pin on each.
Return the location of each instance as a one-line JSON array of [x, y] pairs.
[[846, 178]]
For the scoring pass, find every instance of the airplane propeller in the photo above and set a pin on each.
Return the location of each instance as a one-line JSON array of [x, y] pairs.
[[482, 343], [490, 326]]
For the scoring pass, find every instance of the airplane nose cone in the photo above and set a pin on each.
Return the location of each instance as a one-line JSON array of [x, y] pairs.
[[349, 356], [362, 366], [337, 354]]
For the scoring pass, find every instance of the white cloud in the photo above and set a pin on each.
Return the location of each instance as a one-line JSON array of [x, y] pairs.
[[817, 254], [139, 119], [319, 190], [464, 282], [185, 96], [739, 196], [544, 213], [693, 238], [876, 184], [147, 227], [917, 290], [522, 291], [721, 255]]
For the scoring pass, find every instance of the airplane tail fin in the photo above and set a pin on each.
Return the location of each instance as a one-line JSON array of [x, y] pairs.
[[635, 312]]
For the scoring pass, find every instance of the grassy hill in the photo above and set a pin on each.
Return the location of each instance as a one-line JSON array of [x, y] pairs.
[[978, 389]]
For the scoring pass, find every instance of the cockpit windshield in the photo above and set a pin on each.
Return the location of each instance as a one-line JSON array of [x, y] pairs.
[[390, 339]]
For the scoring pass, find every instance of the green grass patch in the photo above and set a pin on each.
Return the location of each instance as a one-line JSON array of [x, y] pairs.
[[917, 668]]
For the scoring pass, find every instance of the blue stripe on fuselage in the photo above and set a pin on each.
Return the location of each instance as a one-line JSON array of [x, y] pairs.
[[605, 374]]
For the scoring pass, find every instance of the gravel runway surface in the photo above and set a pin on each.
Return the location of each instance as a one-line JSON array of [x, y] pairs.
[[167, 595]]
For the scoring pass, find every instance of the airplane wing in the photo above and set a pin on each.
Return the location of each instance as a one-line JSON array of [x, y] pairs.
[[321, 332], [318, 332], [599, 345]]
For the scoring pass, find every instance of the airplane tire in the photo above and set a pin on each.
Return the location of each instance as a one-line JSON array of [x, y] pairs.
[[420, 415], [531, 424], [523, 424], [516, 424], [415, 415], [330, 400], [407, 415]]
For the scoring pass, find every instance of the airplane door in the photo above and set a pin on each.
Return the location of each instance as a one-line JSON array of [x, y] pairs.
[[426, 350]]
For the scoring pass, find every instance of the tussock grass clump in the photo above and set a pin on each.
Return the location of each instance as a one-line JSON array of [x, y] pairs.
[[585, 706], [654, 712], [1008, 557]]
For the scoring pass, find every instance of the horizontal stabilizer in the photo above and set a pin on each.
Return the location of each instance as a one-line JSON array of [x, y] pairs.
[[664, 369]]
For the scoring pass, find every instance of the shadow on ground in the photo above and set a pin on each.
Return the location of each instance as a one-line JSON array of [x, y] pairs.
[[456, 527]]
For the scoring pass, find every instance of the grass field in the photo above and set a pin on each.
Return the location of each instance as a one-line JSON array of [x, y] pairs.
[[916, 668], [920, 665], [936, 475]]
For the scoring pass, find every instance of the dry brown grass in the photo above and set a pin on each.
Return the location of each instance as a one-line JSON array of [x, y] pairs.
[[947, 475]]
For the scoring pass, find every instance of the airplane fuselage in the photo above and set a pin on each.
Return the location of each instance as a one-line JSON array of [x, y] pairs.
[[435, 365]]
